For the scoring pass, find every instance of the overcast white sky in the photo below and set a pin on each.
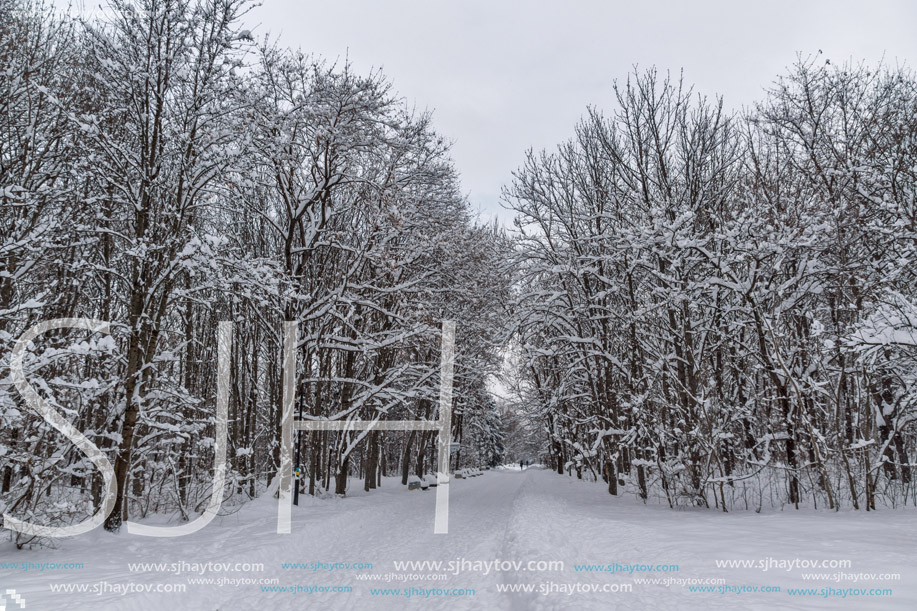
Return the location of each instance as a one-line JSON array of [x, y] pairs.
[[505, 75]]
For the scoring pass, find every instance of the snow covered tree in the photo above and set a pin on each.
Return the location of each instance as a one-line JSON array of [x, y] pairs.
[[717, 306]]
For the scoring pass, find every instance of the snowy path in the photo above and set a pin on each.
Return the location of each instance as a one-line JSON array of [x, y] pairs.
[[508, 516]]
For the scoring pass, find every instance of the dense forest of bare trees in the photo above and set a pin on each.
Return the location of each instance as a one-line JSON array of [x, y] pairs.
[[695, 306], [721, 309], [162, 170]]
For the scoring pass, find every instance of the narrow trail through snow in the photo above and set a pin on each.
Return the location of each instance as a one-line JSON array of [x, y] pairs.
[[505, 515]]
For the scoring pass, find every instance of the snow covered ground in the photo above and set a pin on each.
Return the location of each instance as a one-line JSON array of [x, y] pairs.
[[529, 521]]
